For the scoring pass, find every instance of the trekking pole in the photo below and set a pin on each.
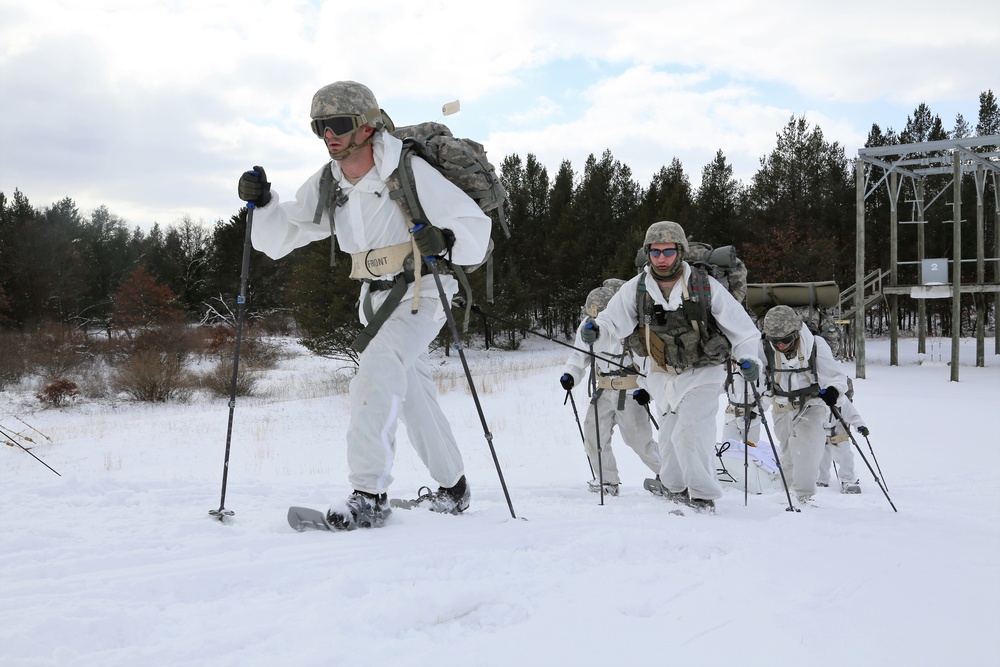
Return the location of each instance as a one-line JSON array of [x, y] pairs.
[[479, 311], [241, 308], [569, 397], [432, 263], [774, 450], [746, 440], [876, 461], [649, 413], [13, 442], [836, 413], [594, 396]]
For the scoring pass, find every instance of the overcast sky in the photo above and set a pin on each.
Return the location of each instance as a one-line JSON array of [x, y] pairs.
[[155, 111]]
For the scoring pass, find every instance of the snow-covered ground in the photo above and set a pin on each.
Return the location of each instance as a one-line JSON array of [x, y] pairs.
[[117, 562]]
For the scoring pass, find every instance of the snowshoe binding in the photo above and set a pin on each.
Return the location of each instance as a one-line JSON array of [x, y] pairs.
[[446, 500], [362, 510], [657, 489], [609, 489]]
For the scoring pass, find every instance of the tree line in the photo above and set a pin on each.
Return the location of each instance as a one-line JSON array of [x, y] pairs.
[[793, 222]]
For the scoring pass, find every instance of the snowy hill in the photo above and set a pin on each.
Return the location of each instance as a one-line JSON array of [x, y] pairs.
[[116, 562]]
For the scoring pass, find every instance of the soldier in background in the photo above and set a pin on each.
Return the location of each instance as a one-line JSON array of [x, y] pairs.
[[620, 400]]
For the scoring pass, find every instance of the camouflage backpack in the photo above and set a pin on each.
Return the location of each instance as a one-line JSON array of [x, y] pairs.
[[461, 161], [821, 323], [723, 265]]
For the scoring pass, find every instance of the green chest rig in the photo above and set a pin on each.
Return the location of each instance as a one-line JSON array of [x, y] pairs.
[[677, 340]]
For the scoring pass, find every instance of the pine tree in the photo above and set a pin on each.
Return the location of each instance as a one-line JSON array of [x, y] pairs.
[[801, 210], [989, 115], [716, 205]]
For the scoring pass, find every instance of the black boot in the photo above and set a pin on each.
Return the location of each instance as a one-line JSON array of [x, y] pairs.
[[364, 510], [451, 500]]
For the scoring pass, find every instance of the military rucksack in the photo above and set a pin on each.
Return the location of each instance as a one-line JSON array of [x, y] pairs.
[[722, 264], [461, 161], [814, 302]]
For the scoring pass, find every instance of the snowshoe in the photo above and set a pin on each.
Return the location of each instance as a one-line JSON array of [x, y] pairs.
[[850, 487], [609, 489], [702, 505], [657, 489], [446, 500]]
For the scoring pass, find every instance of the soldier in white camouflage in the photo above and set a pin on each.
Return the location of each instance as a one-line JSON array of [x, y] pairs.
[[804, 380], [838, 452], [621, 401], [394, 380], [689, 335]]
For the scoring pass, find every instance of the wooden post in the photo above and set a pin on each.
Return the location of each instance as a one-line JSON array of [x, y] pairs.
[[921, 255], [996, 265], [956, 281], [859, 273], [893, 272], [980, 298]]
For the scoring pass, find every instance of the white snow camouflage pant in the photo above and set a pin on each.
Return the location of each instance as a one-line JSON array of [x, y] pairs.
[[733, 428], [841, 454], [687, 445], [802, 441], [634, 428], [394, 383]]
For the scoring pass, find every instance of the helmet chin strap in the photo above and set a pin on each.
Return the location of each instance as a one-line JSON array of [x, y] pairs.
[[351, 147]]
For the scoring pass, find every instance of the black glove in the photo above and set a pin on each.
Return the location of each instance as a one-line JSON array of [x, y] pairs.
[[431, 240], [863, 430], [641, 397], [566, 381], [829, 395], [254, 188], [749, 369], [590, 332]]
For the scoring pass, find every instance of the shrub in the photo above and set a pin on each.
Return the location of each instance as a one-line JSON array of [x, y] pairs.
[[55, 350], [152, 376], [58, 393], [219, 380]]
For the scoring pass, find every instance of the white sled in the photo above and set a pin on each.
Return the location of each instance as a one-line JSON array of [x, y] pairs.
[[762, 471]]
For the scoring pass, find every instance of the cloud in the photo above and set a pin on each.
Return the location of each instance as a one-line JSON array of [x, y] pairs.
[[156, 110]]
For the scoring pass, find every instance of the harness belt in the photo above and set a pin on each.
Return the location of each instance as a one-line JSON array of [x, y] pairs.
[[396, 288], [737, 410], [836, 439], [619, 382], [369, 264]]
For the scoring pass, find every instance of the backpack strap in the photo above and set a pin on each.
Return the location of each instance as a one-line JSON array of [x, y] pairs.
[[331, 196], [403, 191], [376, 318], [702, 289]]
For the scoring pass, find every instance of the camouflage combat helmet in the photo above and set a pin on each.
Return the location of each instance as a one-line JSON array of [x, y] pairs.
[[665, 232], [614, 283], [599, 297], [780, 322], [344, 98]]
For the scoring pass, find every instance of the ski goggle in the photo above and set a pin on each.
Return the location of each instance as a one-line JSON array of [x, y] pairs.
[[337, 124], [343, 123], [656, 252], [785, 340]]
